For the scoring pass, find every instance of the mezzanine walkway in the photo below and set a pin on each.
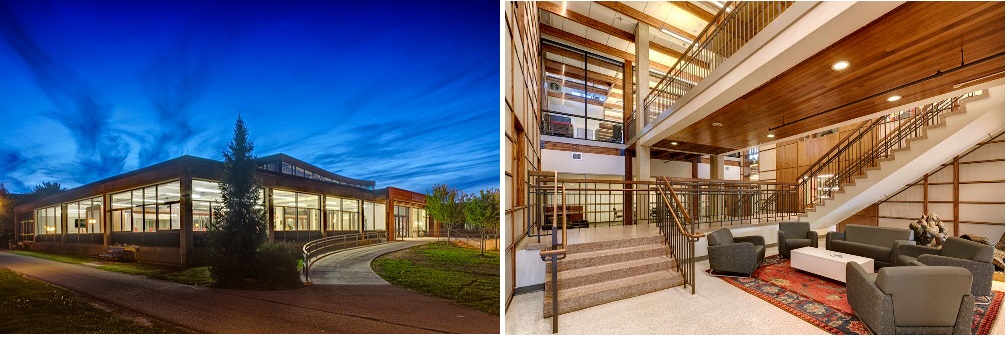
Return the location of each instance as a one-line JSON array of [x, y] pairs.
[[353, 266], [315, 309]]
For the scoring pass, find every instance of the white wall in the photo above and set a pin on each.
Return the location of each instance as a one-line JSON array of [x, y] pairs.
[[590, 163]]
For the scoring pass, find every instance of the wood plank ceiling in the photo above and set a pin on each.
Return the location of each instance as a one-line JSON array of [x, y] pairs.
[[918, 50]]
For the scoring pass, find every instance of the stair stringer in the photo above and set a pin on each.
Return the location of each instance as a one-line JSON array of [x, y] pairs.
[[960, 132]]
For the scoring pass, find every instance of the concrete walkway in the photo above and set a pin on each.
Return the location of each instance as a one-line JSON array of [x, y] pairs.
[[353, 266], [315, 309]]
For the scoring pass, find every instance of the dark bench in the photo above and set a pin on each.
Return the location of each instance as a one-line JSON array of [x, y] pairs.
[[113, 253]]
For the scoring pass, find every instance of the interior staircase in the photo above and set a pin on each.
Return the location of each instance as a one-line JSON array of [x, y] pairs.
[[601, 272], [905, 158]]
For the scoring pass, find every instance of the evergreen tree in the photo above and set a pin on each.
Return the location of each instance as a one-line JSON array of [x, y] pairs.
[[45, 189], [239, 225]]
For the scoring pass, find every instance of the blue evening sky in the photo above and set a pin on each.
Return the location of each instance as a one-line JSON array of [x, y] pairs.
[[403, 93]]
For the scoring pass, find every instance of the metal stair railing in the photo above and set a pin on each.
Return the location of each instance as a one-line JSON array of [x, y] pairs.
[[863, 149], [558, 247], [322, 247], [672, 221]]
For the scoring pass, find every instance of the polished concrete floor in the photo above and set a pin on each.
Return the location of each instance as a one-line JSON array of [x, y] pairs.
[[716, 308]]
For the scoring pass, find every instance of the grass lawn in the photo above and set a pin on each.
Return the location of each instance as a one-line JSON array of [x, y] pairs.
[[449, 272], [32, 306], [199, 276]]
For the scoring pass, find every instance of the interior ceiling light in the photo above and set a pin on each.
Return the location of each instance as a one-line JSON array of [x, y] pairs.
[[717, 3], [770, 135], [841, 65], [677, 36], [675, 143], [717, 124], [894, 98]]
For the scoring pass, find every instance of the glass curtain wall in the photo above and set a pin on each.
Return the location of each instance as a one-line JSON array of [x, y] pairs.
[[84, 221], [401, 218], [583, 94], [149, 210], [297, 216]]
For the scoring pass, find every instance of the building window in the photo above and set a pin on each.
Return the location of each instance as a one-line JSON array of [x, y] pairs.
[[294, 211], [583, 94], [48, 221], [85, 216], [147, 209]]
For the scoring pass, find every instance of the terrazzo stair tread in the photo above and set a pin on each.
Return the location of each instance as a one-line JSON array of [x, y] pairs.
[[605, 273], [614, 244], [601, 257], [583, 297]]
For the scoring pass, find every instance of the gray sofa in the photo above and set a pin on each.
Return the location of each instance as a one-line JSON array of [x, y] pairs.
[[794, 235], [877, 243], [905, 300], [972, 256], [728, 253]]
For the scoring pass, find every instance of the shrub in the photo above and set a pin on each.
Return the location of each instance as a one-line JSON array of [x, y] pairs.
[[277, 265]]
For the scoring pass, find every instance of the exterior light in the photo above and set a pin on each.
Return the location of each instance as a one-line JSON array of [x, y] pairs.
[[894, 98], [841, 65]]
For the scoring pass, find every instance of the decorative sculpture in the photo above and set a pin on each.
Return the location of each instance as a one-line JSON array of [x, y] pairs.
[[929, 230]]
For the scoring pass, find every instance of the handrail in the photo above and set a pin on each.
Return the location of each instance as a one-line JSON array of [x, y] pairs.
[[512, 210], [681, 242], [856, 158], [678, 202], [731, 28], [856, 135], [559, 192], [325, 246]]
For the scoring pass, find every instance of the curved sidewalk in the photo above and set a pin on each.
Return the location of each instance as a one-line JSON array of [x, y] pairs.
[[353, 266], [315, 309]]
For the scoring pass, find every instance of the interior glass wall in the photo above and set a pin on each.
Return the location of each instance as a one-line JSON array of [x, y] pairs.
[[583, 94]]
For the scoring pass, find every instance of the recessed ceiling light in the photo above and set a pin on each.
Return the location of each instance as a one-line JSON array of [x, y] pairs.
[[841, 65], [717, 124], [675, 143], [771, 135], [894, 98]]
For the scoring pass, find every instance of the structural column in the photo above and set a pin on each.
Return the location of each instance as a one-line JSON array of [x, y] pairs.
[[269, 212], [717, 167], [185, 218], [628, 104], [643, 174], [325, 217], [642, 48], [106, 220], [390, 219]]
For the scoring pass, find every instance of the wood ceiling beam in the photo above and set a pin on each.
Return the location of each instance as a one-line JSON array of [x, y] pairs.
[[591, 44], [585, 20], [689, 7], [613, 31], [622, 8]]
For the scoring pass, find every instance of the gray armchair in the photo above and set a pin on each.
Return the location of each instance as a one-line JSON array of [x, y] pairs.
[[794, 235], [912, 299], [728, 253], [967, 254]]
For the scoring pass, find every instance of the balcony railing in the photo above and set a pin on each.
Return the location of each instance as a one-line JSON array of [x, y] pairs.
[[734, 26], [581, 127]]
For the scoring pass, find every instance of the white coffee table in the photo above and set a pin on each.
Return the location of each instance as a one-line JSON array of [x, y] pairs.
[[829, 264]]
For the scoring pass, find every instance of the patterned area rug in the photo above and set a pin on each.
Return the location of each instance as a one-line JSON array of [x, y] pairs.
[[823, 302]]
